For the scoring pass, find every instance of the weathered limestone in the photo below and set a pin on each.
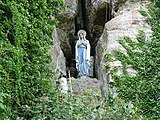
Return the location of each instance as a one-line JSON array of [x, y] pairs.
[[98, 13], [81, 85], [127, 22], [58, 59], [119, 6], [107, 21], [66, 27]]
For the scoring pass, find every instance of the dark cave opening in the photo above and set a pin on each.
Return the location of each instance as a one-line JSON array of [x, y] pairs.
[[93, 28]]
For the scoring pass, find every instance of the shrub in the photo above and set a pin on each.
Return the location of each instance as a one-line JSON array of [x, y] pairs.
[[26, 28]]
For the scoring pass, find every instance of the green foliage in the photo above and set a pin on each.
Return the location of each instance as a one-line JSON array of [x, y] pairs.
[[119, 109], [4, 109], [143, 55], [26, 35], [89, 106]]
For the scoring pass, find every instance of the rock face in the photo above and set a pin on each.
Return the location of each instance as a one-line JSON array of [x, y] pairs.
[[127, 22], [81, 85], [105, 22], [99, 12], [63, 36], [66, 27], [58, 59]]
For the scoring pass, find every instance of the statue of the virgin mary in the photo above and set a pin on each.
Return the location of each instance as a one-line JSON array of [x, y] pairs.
[[82, 54]]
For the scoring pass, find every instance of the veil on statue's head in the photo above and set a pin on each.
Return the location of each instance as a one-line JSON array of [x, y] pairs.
[[83, 32]]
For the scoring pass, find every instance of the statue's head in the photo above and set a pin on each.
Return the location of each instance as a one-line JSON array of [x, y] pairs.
[[82, 33]]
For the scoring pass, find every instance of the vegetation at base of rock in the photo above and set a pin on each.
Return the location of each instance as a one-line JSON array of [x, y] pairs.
[[26, 28], [143, 55], [88, 106]]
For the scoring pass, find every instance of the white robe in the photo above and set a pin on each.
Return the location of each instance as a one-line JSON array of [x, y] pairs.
[[87, 52]]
